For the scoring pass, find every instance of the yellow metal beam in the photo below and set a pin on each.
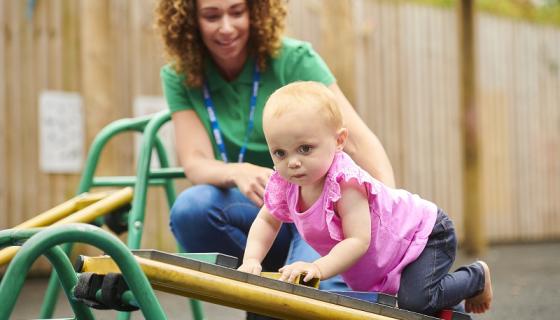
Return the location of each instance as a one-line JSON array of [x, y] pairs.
[[231, 293], [90, 207]]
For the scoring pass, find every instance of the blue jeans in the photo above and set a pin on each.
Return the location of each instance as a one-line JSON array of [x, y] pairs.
[[205, 218], [426, 284]]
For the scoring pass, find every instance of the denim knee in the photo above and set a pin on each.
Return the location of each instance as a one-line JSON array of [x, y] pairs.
[[191, 207], [416, 303]]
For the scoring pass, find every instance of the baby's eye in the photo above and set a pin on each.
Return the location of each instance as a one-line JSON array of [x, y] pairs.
[[305, 149], [279, 153]]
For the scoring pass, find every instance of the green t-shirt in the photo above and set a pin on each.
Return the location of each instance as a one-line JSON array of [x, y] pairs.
[[297, 61]]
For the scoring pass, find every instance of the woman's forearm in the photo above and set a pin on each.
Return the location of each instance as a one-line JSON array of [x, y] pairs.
[[210, 171], [369, 154]]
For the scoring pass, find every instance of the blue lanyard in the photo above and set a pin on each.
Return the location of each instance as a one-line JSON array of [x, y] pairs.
[[214, 121]]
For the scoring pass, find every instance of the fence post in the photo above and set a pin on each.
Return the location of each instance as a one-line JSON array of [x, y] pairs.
[[475, 233]]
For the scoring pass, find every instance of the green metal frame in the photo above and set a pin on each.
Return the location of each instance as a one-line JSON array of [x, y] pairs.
[[149, 126], [46, 240]]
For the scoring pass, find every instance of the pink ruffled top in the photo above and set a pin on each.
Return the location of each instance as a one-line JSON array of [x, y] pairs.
[[400, 224]]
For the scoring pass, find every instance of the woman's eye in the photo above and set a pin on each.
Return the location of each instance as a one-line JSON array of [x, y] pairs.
[[238, 13], [305, 149], [212, 17]]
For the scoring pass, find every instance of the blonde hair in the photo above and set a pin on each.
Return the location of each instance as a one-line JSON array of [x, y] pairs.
[[178, 25], [313, 96]]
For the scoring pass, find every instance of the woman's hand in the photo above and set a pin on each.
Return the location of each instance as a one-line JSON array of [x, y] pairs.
[[252, 266], [251, 180], [291, 271]]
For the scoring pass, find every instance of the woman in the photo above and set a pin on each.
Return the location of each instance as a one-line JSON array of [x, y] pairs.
[[226, 58]]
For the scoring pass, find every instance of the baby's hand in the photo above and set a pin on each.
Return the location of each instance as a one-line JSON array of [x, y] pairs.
[[291, 271], [251, 266]]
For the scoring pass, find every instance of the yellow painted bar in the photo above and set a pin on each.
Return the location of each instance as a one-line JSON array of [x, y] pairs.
[[232, 293], [61, 211], [111, 202], [90, 207]]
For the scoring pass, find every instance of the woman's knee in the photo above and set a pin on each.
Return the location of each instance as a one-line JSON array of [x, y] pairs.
[[193, 204]]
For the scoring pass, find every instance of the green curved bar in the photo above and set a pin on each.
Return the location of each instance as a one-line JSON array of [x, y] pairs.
[[85, 233], [87, 181], [61, 265], [101, 139], [149, 125], [137, 214]]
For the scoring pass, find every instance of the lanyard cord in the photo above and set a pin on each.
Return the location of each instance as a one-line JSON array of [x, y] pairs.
[[216, 131]]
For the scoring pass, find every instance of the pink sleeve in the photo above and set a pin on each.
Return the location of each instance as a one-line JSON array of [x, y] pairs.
[[276, 198], [334, 193]]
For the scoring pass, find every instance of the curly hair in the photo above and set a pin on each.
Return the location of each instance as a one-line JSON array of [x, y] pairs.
[[178, 26]]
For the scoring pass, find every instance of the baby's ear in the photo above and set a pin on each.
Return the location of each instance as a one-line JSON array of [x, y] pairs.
[[341, 137]]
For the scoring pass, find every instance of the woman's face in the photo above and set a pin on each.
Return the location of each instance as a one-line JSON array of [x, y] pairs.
[[224, 26]]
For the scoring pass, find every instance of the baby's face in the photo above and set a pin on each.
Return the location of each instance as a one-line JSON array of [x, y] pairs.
[[302, 145]]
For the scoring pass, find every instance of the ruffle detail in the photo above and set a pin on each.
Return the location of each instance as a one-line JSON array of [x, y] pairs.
[[276, 197], [344, 172]]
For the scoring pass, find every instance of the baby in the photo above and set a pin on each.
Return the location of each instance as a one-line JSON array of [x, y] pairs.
[[380, 239]]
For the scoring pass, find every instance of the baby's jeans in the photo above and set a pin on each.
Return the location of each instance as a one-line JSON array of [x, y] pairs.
[[426, 286], [205, 218]]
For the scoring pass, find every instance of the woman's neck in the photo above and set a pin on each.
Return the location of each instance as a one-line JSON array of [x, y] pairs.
[[231, 68]]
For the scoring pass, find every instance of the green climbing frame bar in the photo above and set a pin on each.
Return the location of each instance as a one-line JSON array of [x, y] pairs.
[[44, 241], [149, 127]]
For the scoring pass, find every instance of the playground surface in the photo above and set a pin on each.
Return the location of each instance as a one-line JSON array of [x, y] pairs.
[[526, 279]]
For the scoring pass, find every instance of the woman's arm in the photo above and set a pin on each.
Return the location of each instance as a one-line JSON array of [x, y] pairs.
[[197, 158], [363, 145]]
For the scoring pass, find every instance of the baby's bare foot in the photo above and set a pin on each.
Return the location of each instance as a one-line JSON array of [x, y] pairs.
[[481, 302]]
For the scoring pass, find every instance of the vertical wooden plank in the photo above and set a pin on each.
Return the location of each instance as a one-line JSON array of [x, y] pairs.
[[475, 236], [338, 51], [425, 109], [4, 38], [14, 116], [405, 74], [388, 76], [534, 109], [554, 137], [495, 109], [553, 140], [455, 143], [38, 81], [97, 82], [54, 82], [440, 112], [28, 120], [137, 57], [70, 57], [122, 160]]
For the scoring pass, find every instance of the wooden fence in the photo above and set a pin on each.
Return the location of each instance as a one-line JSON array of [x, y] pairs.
[[397, 62]]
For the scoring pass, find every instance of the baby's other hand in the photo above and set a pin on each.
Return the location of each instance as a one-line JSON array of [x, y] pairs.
[[291, 271], [251, 266]]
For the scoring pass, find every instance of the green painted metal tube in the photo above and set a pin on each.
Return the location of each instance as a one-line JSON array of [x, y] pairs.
[[86, 181], [85, 233], [137, 214], [51, 294], [61, 265]]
